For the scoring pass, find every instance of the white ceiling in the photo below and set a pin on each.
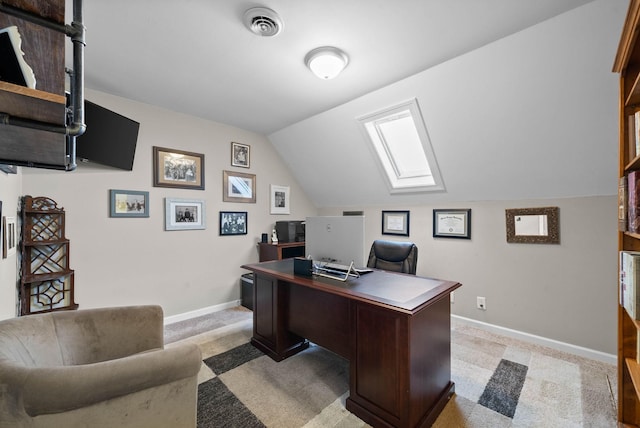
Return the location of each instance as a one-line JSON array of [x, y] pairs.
[[196, 56]]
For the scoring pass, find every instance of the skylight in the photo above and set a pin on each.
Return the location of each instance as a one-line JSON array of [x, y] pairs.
[[400, 141]]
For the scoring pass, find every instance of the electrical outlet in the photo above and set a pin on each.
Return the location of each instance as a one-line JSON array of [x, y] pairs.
[[452, 297], [481, 303]]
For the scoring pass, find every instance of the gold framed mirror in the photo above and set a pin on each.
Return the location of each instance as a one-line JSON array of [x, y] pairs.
[[533, 225]]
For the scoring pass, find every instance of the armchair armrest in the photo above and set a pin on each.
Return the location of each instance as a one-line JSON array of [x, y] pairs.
[[72, 387]]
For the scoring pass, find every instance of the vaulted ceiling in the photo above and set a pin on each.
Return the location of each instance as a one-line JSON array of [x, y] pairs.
[[197, 57], [518, 96]]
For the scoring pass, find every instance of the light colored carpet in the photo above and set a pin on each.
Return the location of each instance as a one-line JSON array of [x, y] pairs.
[[309, 389]]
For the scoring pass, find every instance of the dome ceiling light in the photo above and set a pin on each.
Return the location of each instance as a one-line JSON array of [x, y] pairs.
[[326, 62], [263, 21]]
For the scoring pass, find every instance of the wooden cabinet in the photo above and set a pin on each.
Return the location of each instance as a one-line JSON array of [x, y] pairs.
[[287, 250], [46, 280], [627, 63]]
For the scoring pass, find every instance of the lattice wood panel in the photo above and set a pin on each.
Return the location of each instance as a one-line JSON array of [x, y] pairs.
[[46, 278], [51, 295]]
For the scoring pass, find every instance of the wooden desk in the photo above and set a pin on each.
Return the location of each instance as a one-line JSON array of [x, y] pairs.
[[394, 329]]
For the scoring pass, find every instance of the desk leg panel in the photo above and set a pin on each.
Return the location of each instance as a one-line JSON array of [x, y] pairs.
[[430, 362], [269, 320], [400, 364], [378, 373]]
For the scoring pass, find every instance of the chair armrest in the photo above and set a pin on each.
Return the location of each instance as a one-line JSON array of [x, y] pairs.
[[48, 390]]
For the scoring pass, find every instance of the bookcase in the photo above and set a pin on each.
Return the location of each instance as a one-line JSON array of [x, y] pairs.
[[627, 63]]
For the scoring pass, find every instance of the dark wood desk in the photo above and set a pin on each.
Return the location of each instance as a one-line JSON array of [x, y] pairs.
[[394, 329]]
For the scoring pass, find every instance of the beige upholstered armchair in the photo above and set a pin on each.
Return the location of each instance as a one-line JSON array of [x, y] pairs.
[[95, 368]]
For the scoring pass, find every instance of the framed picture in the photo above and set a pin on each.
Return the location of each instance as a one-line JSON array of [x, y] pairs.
[[178, 169], [395, 223], [184, 214], [128, 203], [238, 187], [280, 200], [533, 225], [10, 235], [455, 223], [8, 169], [240, 155], [233, 222]]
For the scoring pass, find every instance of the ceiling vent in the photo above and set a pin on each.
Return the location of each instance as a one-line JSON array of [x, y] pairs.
[[262, 21]]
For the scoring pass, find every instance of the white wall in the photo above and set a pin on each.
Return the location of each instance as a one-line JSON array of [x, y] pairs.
[[565, 292], [10, 185], [533, 115], [119, 261], [529, 120]]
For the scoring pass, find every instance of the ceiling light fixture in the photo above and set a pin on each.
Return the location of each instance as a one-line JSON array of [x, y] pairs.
[[326, 62]]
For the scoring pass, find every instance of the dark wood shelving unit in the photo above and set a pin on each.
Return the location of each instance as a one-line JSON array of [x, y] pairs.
[[46, 280]]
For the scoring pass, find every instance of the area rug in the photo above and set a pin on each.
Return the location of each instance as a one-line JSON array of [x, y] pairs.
[[500, 382]]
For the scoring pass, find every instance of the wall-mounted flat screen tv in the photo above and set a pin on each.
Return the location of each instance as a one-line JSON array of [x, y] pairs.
[[110, 138]]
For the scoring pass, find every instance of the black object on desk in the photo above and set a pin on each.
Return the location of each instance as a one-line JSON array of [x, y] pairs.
[[302, 266]]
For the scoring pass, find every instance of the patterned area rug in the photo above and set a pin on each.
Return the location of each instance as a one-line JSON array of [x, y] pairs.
[[500, 382]]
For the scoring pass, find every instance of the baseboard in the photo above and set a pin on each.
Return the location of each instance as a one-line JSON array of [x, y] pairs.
[[200, 312], [539, 340], [526, 337]]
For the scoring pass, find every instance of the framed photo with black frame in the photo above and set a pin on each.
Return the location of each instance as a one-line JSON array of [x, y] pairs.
[[395, 223], [128, 203], [184, 214], [240, 155], [452, 223], [233, 223], [178, 169]]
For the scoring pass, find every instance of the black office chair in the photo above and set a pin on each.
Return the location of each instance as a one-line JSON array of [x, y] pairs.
[[393, 256]]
